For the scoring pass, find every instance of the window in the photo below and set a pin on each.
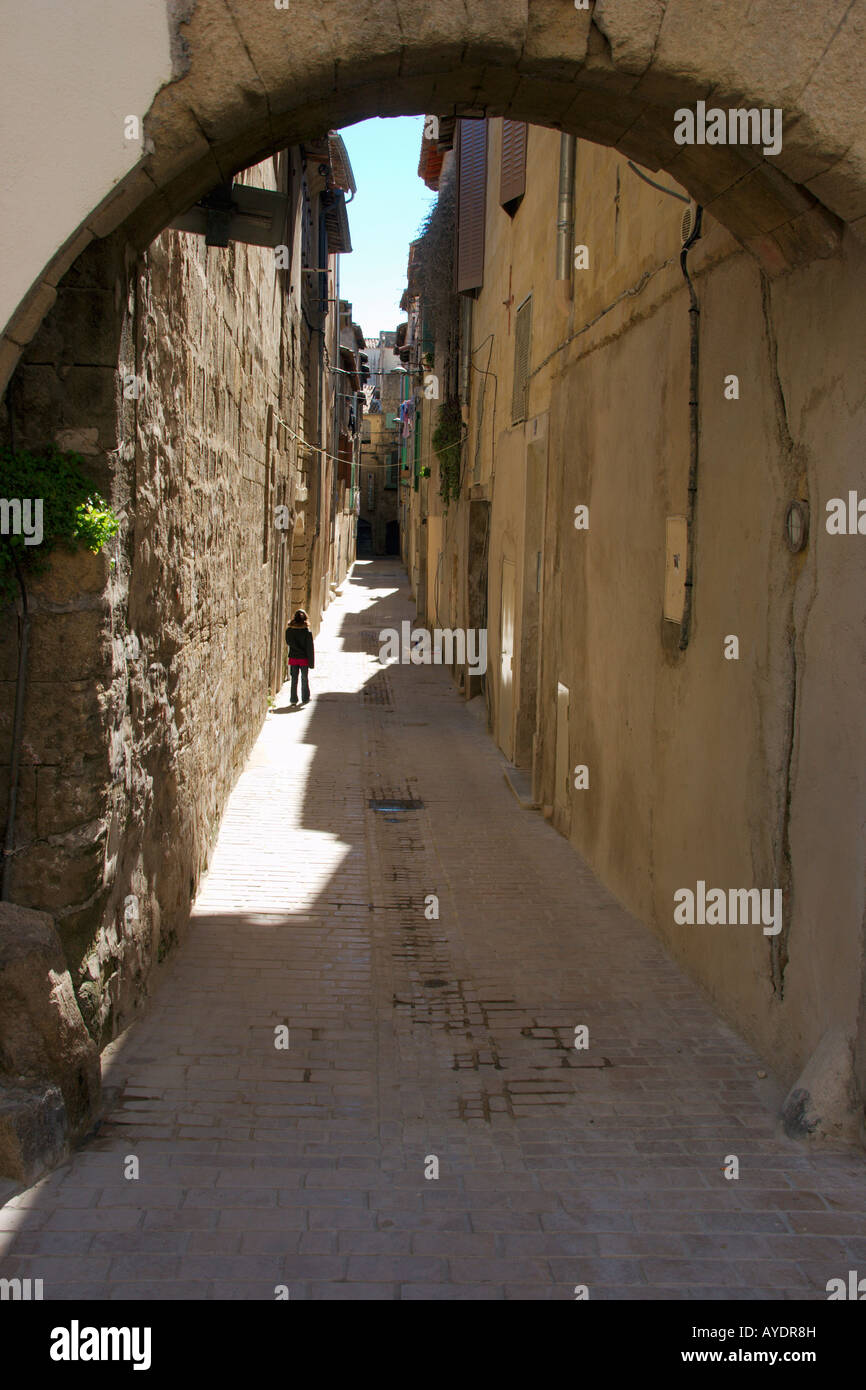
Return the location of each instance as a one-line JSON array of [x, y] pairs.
[[393, 470], [512, 173], [522, 341], [371, 490], [471, 199]]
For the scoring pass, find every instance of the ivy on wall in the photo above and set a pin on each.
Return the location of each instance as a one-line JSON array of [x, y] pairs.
[[64, 508], [447, 438]]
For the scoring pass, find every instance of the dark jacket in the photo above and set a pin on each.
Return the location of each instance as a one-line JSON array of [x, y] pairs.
[[300, 642]]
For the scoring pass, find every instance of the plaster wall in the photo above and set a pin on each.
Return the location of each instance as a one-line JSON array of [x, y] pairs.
[[742, 773]]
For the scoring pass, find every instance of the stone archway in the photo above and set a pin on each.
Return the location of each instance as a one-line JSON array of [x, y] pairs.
[[234, 80]]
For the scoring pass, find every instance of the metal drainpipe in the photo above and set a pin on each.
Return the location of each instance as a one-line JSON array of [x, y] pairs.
[[320, 379], [694, 431], [17, 723], [565, 210]]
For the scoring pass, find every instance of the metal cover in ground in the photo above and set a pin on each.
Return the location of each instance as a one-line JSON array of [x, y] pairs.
[[395, 804]]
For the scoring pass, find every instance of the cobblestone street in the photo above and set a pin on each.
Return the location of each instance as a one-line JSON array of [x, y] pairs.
[[413, 1038]]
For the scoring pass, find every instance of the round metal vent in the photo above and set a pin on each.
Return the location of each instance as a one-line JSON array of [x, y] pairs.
[[797, 526]]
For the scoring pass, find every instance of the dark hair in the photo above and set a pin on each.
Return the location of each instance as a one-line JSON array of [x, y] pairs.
[[300, 618]]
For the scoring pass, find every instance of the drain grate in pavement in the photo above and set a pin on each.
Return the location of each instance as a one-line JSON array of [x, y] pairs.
[[398, 803]]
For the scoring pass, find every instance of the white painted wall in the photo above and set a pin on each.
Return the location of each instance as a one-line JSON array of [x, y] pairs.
[[72, 71]]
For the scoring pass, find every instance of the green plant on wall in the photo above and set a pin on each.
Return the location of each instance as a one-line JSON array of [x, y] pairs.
[[64, 508], [447, 438], [46, 499]]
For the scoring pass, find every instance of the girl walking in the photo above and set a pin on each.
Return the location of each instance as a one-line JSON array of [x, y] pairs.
[[302, 655]]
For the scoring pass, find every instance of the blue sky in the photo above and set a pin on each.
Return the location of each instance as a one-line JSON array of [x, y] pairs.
[[384, 216]]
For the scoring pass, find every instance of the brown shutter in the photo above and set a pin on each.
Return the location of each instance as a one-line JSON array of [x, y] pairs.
[[512, 177], [471, 199]]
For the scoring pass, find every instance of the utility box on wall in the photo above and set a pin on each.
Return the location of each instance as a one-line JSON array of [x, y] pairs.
[[676, 550]]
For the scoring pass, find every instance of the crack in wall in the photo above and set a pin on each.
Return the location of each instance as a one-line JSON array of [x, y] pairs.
[[779, 953]]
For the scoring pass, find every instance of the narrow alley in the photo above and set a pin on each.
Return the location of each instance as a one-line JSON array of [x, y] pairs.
[[309, 1168], [490, 377]]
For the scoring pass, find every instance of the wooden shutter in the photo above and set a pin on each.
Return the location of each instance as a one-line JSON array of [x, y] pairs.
[[471, 199], [522, 342], [512, 176]]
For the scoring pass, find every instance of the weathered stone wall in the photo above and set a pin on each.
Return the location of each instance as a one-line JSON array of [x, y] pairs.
[[151, 664], [49, 1065]]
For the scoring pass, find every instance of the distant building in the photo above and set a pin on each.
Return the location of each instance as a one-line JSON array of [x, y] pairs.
[[379, 470]]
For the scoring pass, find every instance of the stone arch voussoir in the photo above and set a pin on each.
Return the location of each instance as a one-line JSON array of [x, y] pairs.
[[251, 78]]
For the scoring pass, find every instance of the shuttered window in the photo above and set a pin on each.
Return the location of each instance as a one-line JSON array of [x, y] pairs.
[[512, 176], [522, 343], [471, 199]]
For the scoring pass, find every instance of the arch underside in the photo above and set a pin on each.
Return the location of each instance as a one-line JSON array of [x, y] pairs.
[[252, 79]]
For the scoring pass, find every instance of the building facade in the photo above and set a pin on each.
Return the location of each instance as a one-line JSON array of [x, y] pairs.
[[646, 442], [379, 512]]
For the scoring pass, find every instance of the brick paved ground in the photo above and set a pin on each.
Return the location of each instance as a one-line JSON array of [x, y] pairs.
[[412, 1038]]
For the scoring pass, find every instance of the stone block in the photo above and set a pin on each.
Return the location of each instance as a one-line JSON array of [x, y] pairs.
[[61, 720], [823, 1104], [222, 86], [605, 122], [83, 328], [123, 199], [859, 229], [9, 355], [71, 574], [843, 188], [30, 313], [69, 869], [759, 203], [67, 256], [813, 235], [757, 55], [25, 810], [65, 799], [71, 643], [34, 1132], [175, 136], [47, 403], [42, 1034], [707, 178], [631, 28], [556, 40]]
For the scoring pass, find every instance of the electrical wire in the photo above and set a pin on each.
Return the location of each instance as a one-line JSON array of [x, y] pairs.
[[660, 186], [626, 294], [485, 371], [314, 448]]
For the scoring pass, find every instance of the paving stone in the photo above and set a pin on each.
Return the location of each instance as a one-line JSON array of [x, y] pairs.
[[412, 1038]]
